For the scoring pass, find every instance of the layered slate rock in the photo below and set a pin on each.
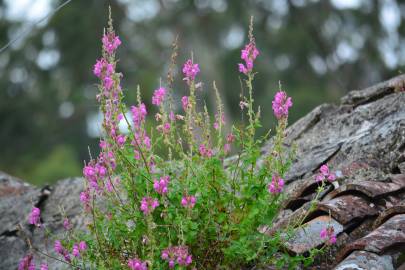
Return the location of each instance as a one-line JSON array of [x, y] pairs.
[[363, 138], [16, 200]]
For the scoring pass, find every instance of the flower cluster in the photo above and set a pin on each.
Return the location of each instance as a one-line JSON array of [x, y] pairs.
[[104, 70], [27, 263], [205, 151], [188, 201], [110, 42], [185, 103], [148, 204], [35, 217], [66, 224], [77, 249], [141, 196], [328, 234], [158, 96], [136, 264], [248, 54], [276, 185], [138, 114], [281, 104], [160, 186], [324, 173], [95, 172], [219, 120], [177, 254], [190, 70]]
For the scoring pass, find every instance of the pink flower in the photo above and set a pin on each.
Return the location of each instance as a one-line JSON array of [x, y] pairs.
[[121, 139], [276, 185], [103, 144], [166, 128], [44, 266], [205, 151], [27, 263], [82, 246], [85, 197], [177, 254], [34, 217], [190, 70], [147, 142], [227, 148], [89, 172], [188, 201], [103, 68], [138, 114], [185, 103], [230, 138], [281, 104], [219, 120], [248, 54], [111, 42], [137, 155], [329, 235], [160, 186], [66, 224], [148, 204], [172, 117], [324, 170], [108, 82], [136, 264], [158, 96], [58, 247], [75, 251], [324, 173]]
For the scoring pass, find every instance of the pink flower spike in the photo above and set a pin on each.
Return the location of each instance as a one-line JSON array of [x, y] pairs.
[[281, 104], [148, 204], [136, 264], [190, 70], [324, 170], [34, 218], [75, 251], [184, 102], [158, 96], [248, 54], [329, 235], [276, 185], [82, 246], [160, 186], [66, 224], [58, 247], [121, 140], [188, 201], [227, 148], [44, 266], [108, 82], [111, 42], [324, 173], [27, 263]]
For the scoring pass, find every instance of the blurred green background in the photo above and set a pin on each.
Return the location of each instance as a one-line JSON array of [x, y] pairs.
[[48, 113]]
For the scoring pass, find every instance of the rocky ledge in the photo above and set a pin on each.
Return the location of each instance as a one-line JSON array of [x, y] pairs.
[[363, 138]]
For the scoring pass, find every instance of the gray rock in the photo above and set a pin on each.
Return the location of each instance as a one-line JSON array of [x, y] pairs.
[[363, 260]]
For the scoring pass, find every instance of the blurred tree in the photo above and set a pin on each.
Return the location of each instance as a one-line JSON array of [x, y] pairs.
[[318, 49]]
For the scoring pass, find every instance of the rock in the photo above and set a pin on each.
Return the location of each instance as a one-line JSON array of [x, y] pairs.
[[363, 260], [16, 200]]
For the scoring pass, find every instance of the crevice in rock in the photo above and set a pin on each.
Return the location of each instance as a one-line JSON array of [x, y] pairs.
[[386, 92], [9, 233], [329, 158]]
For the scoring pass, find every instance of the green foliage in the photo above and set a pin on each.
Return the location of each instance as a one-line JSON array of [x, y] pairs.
[[213, 205]]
